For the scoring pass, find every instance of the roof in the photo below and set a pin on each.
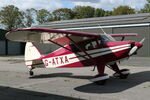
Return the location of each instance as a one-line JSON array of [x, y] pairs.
[[109, 20]]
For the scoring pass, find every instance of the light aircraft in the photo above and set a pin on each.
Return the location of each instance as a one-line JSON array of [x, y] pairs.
[[77, 49]]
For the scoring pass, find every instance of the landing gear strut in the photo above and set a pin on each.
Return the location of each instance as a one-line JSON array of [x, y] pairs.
[[122, 74], [101, 78]]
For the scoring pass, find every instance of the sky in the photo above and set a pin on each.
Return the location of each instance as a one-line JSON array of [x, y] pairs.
[[55, 4]]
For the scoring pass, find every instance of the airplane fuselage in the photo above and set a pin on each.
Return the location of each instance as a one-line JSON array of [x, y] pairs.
[[102, 54]]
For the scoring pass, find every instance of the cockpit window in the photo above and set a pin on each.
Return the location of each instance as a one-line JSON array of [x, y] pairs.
[[92, 43]]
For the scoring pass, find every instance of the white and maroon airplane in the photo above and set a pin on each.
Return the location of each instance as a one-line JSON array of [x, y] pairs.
[[77, 49]]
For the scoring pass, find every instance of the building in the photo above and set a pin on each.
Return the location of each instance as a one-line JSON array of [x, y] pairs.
[[136, 23], [9, 47]]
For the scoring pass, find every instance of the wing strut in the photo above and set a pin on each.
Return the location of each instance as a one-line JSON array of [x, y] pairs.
[[90, 57]]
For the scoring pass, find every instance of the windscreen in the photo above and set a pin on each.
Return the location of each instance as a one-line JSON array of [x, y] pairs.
[[106, 38]]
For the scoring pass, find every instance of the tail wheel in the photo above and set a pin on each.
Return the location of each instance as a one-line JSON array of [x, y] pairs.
[[31, 73]]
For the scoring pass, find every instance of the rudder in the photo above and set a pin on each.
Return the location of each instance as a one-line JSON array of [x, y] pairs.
[[31, 54]]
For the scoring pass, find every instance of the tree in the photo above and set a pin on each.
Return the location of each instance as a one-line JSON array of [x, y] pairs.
[[63, 14], [108, 13], [29, 15], [99, 12], [43, 16], [123, 10], [11, 17], [83, 11], [146, 8]]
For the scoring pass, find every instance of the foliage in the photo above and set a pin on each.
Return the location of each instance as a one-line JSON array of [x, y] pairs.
[[84, 12], [63, 14], [108, 13], [99, 12], [29, 15], [123, 10], [43, 16], [11, 17], [146, 8]]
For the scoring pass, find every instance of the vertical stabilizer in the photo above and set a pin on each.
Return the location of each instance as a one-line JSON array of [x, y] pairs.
[[31, 53]]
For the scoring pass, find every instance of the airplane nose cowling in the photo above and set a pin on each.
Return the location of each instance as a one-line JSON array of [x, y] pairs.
[[134, 47], [139, 45]]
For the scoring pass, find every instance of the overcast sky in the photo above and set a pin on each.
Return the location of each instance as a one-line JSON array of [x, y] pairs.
[[54, 4]]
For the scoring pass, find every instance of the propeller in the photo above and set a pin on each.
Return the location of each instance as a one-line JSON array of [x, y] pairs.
[[133, 50], [134, 47]]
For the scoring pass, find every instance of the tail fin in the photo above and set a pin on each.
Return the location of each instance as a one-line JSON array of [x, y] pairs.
[[31, 53]]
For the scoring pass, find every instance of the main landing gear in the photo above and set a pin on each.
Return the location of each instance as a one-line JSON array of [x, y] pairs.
[[101, 78], [124, 74]]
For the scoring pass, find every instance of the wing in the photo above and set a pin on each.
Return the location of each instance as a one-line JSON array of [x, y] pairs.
[[44, 35], [123, 34]]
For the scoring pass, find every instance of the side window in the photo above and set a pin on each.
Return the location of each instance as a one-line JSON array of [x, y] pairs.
[[91, 45], [86, 45], [94, 44], [99, 41]]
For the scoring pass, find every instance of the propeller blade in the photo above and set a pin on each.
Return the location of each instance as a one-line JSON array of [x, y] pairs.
[[134, 47], [133, 50]]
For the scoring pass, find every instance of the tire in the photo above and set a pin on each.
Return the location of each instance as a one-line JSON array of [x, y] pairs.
[[125, 76], [31, 73]]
